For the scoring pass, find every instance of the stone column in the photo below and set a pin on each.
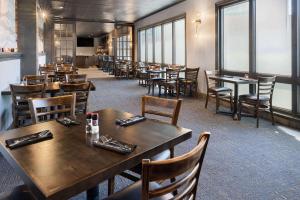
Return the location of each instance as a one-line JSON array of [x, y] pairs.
[[27, 35]]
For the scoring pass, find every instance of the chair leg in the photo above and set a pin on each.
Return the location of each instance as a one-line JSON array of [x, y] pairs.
[[240, 111], [207, 96], [272, 114], [159, 90], [172, 180], [257, 117], [111, 186], [217, 102], [231, 102]]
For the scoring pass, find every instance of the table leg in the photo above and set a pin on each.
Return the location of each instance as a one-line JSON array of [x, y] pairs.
[[153, 85], [236, 99], [93, 193]]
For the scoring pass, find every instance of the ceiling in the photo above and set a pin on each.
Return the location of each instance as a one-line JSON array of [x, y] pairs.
[[99, 16]]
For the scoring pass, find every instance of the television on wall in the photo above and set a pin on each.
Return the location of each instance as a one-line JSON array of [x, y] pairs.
[[85, 42]]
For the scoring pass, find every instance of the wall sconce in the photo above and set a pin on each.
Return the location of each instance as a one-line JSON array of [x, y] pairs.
[[197, 23]]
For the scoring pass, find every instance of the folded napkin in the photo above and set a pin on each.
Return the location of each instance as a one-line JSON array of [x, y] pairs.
[[130, 121], [67, 121], [109, 143], [28, 139]]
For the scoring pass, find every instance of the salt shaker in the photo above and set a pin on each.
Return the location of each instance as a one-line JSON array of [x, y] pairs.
[[95, 125]]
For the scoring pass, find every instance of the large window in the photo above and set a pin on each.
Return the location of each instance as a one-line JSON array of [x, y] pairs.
[[163, 43], [273, 37], [236, 37], [149, 45], [180, 42], [64, 42], [257, 37], [124, 47]]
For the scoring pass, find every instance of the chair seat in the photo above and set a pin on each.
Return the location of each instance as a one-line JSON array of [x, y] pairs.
[[161, 156], [252, 99], [134, 192], [220, 89], [18, 193]]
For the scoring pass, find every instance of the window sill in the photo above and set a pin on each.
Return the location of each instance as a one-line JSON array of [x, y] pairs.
[[10, 56]]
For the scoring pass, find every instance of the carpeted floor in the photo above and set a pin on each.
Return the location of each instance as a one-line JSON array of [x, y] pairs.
[[242, 162]]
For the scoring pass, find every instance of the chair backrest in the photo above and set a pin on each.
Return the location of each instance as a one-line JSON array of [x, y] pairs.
[[35, 79], [82, 94], [61, 75], [47, 70], [266, 86], [155, 105], [209, 82], [191, 74], [21, 93], [172, 74], [188, 165], [43, 109], [78, 78]]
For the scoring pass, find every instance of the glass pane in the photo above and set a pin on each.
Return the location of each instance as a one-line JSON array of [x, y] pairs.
[[243, 88], [273, 36], [236, 37], [282, 96], [149, 46], [142, 46], [157, 43], [180, 42], [168, 43]]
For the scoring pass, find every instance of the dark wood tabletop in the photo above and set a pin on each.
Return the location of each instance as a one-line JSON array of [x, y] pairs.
[[52, 87], [68, 164]]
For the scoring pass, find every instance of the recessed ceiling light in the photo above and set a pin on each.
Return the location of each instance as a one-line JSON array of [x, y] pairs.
[[60, 7]]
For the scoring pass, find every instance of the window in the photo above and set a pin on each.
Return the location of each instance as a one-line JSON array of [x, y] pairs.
[[149, 45], [273, 37], [124, 47], [180, 42], [142, 46], [282, 97], [157, 43], [168, 47], [163, 43], [64, 42], [236, 37]]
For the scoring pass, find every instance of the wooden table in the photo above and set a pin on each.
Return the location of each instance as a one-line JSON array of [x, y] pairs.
[[236, 80], [68, 164], [51, 88]]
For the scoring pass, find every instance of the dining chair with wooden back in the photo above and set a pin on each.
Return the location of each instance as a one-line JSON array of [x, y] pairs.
[[20, 107], [82, 94], [214, 90], [160, 107], [49, 71], [44, 109], [61, 75], [35, 79], [76, 78], [171, 82], [262, 100], [186, 168], [190, 80]]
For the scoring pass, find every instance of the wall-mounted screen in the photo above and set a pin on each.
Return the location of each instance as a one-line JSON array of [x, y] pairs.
[[85, 42]]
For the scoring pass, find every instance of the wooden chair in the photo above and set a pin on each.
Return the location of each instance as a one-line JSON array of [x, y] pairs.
[[61, 75], [156, 105], [20, 95], [171, 82], [142, 75], [35, 79], [213, 90], [186, 168], [153, 79], [20, 192], [43, 109], [49, 70], [190, 80], [262, 101], [82, 93], [76, 78]]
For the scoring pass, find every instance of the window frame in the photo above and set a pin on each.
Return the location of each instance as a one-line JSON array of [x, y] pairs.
[[293, 80], [161, 23]]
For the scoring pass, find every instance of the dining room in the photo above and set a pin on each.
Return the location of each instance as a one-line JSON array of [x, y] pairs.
[[152, 99]]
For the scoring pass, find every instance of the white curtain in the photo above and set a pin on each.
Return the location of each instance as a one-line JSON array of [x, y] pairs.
[[8, 36]]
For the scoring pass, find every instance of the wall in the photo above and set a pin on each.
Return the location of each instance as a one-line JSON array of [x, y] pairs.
[[10, 73], [200, 50]]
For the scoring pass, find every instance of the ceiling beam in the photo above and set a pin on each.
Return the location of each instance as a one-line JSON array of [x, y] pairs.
[[103, 21]]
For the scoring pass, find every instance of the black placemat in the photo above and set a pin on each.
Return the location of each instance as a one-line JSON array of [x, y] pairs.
[[130, 121], [67, 121], [28, 139], [114, 145]]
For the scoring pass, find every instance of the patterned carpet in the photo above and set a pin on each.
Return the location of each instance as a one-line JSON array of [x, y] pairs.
[[242, 162]]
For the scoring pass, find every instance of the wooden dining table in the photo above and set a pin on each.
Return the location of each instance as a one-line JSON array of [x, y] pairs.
[[51, 88], [69, 164], [236, 81]]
